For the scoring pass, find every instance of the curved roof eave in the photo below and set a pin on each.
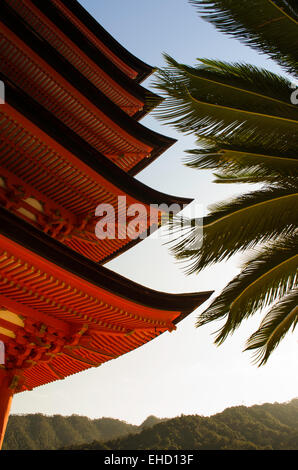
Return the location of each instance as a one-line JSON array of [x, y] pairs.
[[143, 69], [58, 131], [158, 142], [103, 62], [32, 239]]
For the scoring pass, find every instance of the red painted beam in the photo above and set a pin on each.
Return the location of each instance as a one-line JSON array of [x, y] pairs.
[[25, 311], [6, 394]]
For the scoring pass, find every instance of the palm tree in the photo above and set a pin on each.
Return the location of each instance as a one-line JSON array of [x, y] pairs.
[[247, 131]]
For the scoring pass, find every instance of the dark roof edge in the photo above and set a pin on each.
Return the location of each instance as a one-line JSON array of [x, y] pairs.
[[158, 142], [103, 62], [143, 69], [34, 240], [53, 127], [126, 247]]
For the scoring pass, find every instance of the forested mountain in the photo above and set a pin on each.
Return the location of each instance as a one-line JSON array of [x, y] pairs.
[[37, 431], [151, 421], [268, 426]]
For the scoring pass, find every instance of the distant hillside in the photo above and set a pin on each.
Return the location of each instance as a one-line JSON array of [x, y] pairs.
[[37, 431], [268, 426], [151, 421]]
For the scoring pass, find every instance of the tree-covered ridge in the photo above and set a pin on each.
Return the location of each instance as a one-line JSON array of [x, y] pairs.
[[37, 431], [268, 426], [262, 427]]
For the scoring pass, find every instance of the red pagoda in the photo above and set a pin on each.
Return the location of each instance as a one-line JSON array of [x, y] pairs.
[[71, 140]]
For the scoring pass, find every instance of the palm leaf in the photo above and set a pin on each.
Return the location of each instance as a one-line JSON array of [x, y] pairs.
[[275, 325], [254, 176], [238, 225], [253, 88], [232, 158], [247, 131], [261, 24], [203, 111], [264, 278], [290, 7]]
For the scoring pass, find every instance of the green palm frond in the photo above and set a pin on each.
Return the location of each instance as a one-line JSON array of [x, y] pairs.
[[238, 225], [232, 158], [246, 126], [252, 87], [214, 108], [270, 274], [290, 7], [254, 176], [275, 325], [261, 24]]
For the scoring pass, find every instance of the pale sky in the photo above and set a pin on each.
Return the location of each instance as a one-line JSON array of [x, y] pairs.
[[181, 372]]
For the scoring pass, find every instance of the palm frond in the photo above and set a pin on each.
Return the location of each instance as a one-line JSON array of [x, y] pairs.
[[253, 176], [204, 110], [275, 325], [232, 158], [289, 6], [261, 24], [253, 88], [238, 225], [265, 277], [247, 131]]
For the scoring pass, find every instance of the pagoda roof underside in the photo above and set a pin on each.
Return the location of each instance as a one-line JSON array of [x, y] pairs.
[[61, 313], [42, 159], [99, 37], [52, 26], [38, 69]]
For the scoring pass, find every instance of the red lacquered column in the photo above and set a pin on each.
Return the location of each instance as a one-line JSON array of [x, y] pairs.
[[6, 395]]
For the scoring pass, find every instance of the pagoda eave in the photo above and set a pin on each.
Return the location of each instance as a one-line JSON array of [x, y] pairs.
[[60, 133], [58, 143], [142, 69], [74, 85], [20, 232], [71, 142], [48, 22], [61, 313]]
